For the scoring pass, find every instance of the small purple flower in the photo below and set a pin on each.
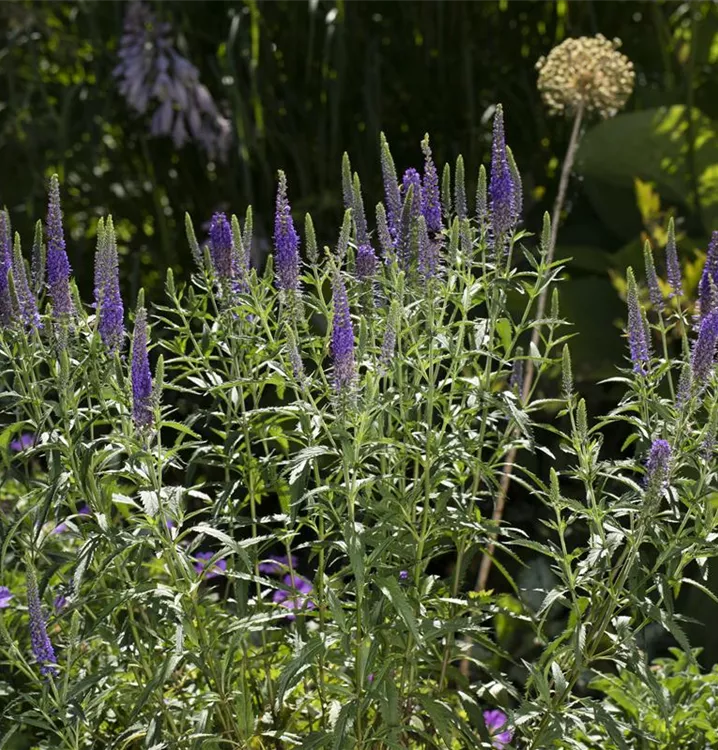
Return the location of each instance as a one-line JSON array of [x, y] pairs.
[[5, 597], [275, 565], [41, 646], [220, 246], [637, 337], [430, 195], [403, 575], [58, 266], [107, 295], [26, 440], [62, 527], [296, 596], [218, 569], [366, 262], [286, 241], [495, 721], [370, 678], [60, 602], [342, 345], [502, 201], [673, 267], [704, 350], [141, 375]]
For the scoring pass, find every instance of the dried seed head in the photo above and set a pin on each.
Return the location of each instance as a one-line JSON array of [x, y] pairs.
[[586, 72]]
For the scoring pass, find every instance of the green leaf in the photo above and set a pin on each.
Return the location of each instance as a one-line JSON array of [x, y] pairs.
[[393, 592]]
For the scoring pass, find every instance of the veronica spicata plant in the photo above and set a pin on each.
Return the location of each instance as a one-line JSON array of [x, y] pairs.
[[257, 526]]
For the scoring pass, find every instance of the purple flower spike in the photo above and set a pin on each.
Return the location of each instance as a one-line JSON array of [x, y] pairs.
[[58, 266], [297, 595], [220, 245], [430, 194], [286, 241], [428, 253], [707, 293], [658, 464], [218, 569], [41, 647], [495, 721], [673, 267], [637, 337], [108, 297], [391, 189], [27, 303], [502, 200], [411, 178], [141, 375], [342, 346], [276, 565], [704, 350], [6, 311], [26, 440], [366, 262], [5, 597]]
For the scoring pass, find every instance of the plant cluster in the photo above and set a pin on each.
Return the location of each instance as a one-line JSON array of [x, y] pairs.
[[260, 537]]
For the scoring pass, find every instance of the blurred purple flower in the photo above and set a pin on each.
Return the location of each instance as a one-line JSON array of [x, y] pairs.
[[370, 677], [286, 241], [151, 70], [342, 346], [141, 375], [26, 440], [5, 597], [58, 266], [41, 646], [275, 565], [296, 596], [216, 570], [62, 527], [403, 575], [495, 721], [60, 602]]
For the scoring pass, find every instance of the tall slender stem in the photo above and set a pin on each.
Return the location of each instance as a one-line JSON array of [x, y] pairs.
[[498, 514]]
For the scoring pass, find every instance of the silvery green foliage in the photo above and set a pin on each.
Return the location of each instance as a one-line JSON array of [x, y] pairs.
[[265, 560]]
